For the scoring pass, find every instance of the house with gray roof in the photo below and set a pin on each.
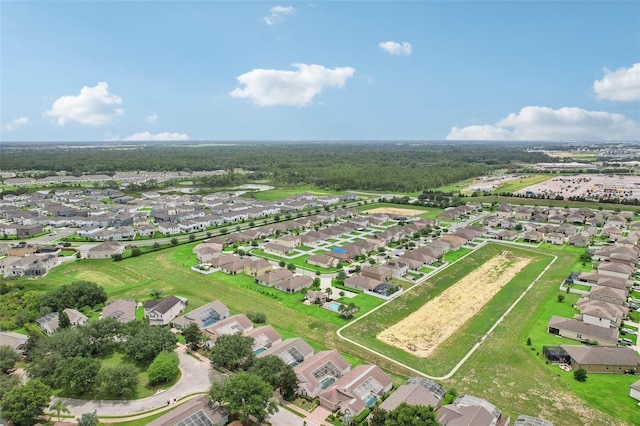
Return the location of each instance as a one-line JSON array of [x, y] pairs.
[[199, 411], [203, 316], [123, 310], [162, 312], [415, 391]]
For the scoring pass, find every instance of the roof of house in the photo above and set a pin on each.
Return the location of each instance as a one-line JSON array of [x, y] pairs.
[[602, 355], [356, 386], [263, 336], [416, 391], [122, 310], [296, 281], [275, 275], [524, 420], [12, 339], [601, 333], [616, 267], [635, 385], [451, 415], [362, 281], [205, 315], [164, 305], [232, 325], [291, 351], [199, 411]]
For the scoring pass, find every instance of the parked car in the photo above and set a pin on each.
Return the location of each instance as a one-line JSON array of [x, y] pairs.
[[630, 331]]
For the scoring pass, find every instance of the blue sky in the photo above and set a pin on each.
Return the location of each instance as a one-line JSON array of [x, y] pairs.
[[93, 71]]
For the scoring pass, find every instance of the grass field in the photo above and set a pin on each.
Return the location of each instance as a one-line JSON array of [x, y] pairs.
[[429, 212], [518, 184], [282, 193]]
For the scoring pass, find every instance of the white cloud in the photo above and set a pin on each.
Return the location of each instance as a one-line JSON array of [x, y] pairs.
[[276, 14], [94, 105], [110, 137], [394, 48], [163, 136], [620, 85], [281, 87], [15, 123], [151, 118], [543, 123]]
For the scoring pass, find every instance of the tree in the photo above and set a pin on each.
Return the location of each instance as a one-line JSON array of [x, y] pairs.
[[59, 407], [561, 298], [155, 294], [164, 368], [218, 386], [8, 359], [136, 252], [585, 258], [117, 257], [25, 402], [156, 246], [273, 370], [411, 415], [118, 381], [342, 275], [145, 342], [232, 351], [174, 241], [378, 417], [292, 267], [8, 382], [580, 374], [282, 264], [329, 291], [192, 237], [248, 395], [315, 283], [63, 320], [88, 419], [257, 317], [192, 335], [347, 311], [78, 374]]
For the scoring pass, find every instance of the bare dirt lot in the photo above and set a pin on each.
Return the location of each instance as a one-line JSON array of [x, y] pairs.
[[421, 332], [396, 211]]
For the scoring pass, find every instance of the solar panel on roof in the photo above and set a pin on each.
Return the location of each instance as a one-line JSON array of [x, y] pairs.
[[199, 418]]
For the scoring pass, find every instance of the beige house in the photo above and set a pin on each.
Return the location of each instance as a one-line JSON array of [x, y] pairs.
[[257, 267], [203, 316], [582, 331], [105, 250], [274, 277], [123, 310], [322, 261], [292, 351], [416, 391], [162, 312], [320, 371]]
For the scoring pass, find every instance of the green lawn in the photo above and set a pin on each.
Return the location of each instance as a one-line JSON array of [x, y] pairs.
[[518, 184], [282, 193], [452, 256]]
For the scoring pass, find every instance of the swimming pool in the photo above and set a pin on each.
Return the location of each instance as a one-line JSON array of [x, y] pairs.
[[333, 306], [327, 382], [369, 400], [259, 351]]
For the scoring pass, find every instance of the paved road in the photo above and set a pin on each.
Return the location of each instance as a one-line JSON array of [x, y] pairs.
[[195, 378]]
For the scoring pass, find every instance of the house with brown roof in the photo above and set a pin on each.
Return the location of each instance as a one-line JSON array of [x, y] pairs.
[[454, 241], [379, 273], [105, 250], [278, 249], [292, 351], [578, 240], [291, 241], [263, 338], [608, 294], [360, 282], [316, 296], [415, 391], [207, 251], [582, 331], [274, 277], [123, 310], [203, 316], [322, 261], [162, 312], [294, 284], [469, 410], [197, 411], [356, 390], [257, 267], [319, 372], [236, 324], [596, 359], [617, 270]]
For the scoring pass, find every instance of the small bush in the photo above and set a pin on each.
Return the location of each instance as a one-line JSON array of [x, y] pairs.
[[164, 368]]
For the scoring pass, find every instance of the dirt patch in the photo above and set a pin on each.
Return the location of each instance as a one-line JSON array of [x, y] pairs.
[[421, 332], [397, 211]]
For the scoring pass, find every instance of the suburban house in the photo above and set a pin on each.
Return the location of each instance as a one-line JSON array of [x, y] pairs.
[[207, 251], [415, 391], [291, 241], [292, 351], [197, 411], [356, 390], [316, 296], [294, 284], [257, 267], [15, 341], [203, 316], [595, 359], [319, 372], [274, 277], [360, 282], [33, 265], [105, 250], [469, 410], [162, 312], [322, 261], [123, 310], [278, 249], [582, 331], [379, 273], [49, 323], [263, 338], [236, 324]]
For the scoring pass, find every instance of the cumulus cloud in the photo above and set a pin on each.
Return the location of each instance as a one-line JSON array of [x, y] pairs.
[[395, 48], [620, 85], [151, 118], [281, 87], [94, 105], [277, 12], [546, 124], [15, 123], [162, 136]]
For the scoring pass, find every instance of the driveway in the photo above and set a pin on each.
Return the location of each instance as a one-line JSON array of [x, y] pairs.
[[195, 378]]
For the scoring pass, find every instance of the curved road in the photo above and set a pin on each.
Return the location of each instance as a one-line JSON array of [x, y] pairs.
[[195, 379]]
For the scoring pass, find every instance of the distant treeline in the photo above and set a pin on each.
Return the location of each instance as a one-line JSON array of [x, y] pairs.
[[346, 165]]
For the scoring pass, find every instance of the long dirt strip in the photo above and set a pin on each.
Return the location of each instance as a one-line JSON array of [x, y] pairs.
[[424, 330], [471, 351]]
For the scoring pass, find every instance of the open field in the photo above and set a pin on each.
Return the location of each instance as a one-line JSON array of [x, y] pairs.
[[395, 211], [282, 193], [437, 320], [521, 183]]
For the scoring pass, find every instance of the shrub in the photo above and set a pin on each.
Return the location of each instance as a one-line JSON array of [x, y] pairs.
[[164, 368]]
